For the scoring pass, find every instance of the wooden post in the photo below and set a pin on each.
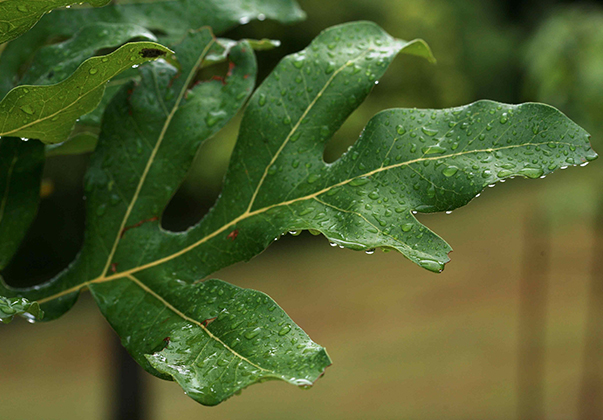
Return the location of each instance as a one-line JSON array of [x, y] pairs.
[[591, 392], [129, 401], [532, 318]]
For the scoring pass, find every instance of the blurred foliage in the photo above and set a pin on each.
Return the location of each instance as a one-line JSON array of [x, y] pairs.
[[563, 63]]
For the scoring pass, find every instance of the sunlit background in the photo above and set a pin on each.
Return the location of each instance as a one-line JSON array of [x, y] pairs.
[[512, 329]]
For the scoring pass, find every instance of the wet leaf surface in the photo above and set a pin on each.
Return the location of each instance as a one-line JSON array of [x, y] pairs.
[[213, 338], [48, 113]]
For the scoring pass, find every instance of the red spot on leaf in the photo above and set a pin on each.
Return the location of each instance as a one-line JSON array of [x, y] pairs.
[[173, 79], [219, 79], [233, 235], [114, 268], [209, 321], [142, 222], [231, 67]]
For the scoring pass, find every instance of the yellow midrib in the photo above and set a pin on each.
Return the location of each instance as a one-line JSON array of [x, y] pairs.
[[191, 320], [248, 214], [298, 123], [154, 153]]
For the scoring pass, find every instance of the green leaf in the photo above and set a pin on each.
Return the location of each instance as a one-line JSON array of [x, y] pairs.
[[148, 282], [169, 18], [18, 16], [19, 306], [21, 167], [48, 113], [217, 338], [54, 63]]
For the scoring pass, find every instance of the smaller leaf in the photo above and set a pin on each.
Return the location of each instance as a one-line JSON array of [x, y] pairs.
[[211, 337], [84, 142], [56, 62], [48, 113], [19, 16], [9, 307], [419, 48]]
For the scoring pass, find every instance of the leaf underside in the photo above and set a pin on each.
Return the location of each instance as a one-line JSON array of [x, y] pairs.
[[213, 338]]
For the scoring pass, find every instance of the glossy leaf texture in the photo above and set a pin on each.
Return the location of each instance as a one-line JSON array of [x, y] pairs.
[[149, 137], [18, 16], [56, 62], [48, 113], [148, 282], [9, 307]]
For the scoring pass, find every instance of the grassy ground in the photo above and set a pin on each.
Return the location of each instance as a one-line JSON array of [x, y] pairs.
[[406, 343]]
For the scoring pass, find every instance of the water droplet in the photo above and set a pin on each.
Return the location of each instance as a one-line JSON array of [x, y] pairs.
[[407, 227], [429, 132], [252, 334], [93, 71], [450, 171], [213, 117], [432, 150], [504, 118], [370, 251], [313, 178], [27, 109], [431, 265], [22, 8], [400, 129], [532, 173], [358, 182], [284, 330], [299, 61]]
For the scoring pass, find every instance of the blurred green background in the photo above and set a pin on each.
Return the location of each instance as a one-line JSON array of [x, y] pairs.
[[406, 343]]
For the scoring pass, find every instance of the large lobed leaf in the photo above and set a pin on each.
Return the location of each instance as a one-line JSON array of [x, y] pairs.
[[18, 16], [213, 338], [89, 32]]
